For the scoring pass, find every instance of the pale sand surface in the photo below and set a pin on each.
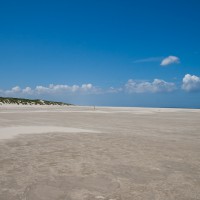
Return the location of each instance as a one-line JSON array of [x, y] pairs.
[[78, 153], [10, 132]]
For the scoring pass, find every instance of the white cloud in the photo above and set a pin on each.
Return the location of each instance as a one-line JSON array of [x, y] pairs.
[[86, 87], [191, 83], [13, 90], [41, 89], [150, 59], [157, 85], [54, 89], [170, 60], [114, 90], [131, 86], [74, 88], [27, 90], [58, 87], [16, 89]]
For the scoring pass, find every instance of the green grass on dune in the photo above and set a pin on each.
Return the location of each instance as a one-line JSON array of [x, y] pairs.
[[22, 101]]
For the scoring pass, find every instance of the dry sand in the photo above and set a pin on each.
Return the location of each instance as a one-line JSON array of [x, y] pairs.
[[78, 153]]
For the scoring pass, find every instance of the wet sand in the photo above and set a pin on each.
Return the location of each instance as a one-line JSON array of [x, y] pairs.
[[78, 153]]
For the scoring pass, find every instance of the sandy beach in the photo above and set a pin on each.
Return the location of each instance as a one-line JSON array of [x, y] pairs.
[[78, 153]]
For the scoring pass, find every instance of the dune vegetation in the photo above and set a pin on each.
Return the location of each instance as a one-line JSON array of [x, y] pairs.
[[22, 101]]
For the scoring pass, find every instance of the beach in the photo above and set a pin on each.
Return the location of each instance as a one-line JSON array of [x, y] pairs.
[[104, 153]]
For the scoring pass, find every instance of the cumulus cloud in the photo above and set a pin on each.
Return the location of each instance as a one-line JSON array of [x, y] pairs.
[[16, 89], [13, 90], [114, 90], [42, 90], [157, 85], [170, 60], [52, 89], [84, 88], [131, 86], [27, 90], [191, 83]]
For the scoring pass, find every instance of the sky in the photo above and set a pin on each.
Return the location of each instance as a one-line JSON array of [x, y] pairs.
[[102, 52]]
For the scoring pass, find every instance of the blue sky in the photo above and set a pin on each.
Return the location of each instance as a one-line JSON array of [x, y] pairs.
[[108, 52]]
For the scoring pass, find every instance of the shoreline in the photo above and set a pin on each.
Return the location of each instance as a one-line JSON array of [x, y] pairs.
[[91, 106]]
